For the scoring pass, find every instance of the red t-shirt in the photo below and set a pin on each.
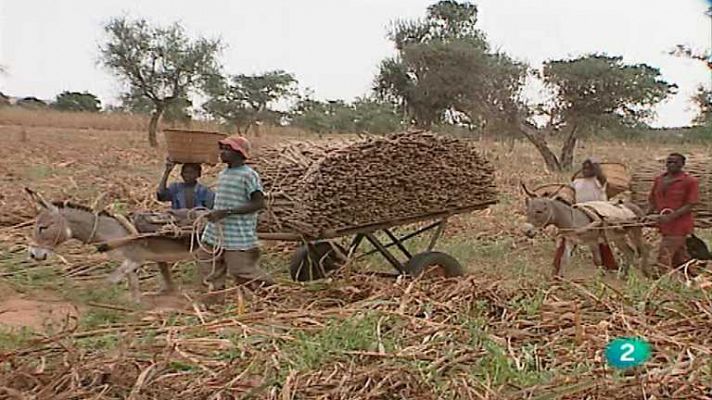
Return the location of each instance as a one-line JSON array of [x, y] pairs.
[[683, 190]]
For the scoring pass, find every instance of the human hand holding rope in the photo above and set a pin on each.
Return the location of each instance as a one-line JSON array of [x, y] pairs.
[[217, 215]]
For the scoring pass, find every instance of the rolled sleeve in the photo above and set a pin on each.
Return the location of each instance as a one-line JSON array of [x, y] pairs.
[[693, 192], [254, 184]]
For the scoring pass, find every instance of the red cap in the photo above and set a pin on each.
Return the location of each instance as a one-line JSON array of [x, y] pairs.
[[237, 143]]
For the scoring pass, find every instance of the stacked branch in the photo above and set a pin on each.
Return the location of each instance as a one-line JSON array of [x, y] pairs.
[[315, 189], [699, 166]]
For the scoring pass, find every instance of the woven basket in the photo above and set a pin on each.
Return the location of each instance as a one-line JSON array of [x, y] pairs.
[[617, 176], [199, 147], [556, 190], [697, 165]]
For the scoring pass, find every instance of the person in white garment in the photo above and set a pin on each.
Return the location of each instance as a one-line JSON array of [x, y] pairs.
[[592, 184], [592, 187]]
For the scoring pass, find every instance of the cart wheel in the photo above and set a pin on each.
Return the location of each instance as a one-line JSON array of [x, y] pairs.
[[434, 263], [315, 260]]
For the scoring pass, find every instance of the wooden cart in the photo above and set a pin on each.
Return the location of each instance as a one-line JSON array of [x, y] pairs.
[[320, 255]]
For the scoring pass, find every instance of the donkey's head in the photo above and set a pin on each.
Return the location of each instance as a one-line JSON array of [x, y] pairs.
[[539, 212], [51, 228]]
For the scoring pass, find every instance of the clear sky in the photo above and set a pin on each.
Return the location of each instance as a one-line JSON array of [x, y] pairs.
[[334, 46]]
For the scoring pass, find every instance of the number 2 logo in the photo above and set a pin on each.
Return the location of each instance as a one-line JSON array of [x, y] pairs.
[[627, 352], [628, 349]]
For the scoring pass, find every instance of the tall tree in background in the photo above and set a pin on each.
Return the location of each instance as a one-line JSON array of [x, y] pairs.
[[591, 92], [245, 99], [160, 64], [702, 97], [445, 71], [76, 101]]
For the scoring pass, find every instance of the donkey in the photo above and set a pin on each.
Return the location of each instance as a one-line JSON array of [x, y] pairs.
[[579, 227], [59, 222]]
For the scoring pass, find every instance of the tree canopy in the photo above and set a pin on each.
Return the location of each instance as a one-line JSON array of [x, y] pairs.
[[243, 99], [592, 92], [444, 68], [76, 101], [161, 64], [364, 115]]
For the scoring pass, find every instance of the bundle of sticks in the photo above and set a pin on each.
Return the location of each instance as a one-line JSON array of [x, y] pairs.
[[313, 187], [699, 166]]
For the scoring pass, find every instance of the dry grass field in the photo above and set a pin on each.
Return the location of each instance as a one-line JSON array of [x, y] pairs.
[[505, 331]]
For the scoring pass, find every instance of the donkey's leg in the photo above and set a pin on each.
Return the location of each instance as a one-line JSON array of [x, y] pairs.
[[628, 253], [638, 240], [562, 256], [166, 280], [558, 255], [134, 289], [126, 267]]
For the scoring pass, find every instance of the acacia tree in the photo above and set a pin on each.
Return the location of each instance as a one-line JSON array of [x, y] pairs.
[[702, 97], [591, 92], [161, 64], [245, 99], [445, 71]]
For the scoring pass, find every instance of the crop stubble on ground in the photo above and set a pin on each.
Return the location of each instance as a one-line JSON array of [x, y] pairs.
[[504, 331]]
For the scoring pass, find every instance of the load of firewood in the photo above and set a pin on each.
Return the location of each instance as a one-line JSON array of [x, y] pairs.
[[316, 188]]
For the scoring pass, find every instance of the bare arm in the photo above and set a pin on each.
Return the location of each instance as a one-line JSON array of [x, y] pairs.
[[256, 203], [600, 175], [678, 213], [693, 197], [162, 192]]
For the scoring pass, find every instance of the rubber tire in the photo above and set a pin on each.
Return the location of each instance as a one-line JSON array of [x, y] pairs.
[[304, 265], [422, 261]]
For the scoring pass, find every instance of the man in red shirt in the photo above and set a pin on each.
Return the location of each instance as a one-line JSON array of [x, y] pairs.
[[672, 197]]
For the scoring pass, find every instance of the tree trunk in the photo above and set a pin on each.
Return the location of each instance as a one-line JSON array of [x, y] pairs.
[[552, 163], [153, 125], [567, 151]]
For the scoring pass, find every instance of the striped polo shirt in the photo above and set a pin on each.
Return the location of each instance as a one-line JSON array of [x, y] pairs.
[[234, 188]]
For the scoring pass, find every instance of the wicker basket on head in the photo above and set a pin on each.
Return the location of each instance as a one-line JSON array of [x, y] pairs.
[[562, 191], [617, 175], [199, 147]]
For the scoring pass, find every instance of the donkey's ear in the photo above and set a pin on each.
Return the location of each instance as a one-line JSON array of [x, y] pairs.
[[526, 190], [39, 201]]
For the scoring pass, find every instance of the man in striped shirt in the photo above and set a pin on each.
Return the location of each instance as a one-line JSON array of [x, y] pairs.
[[233, 223]]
